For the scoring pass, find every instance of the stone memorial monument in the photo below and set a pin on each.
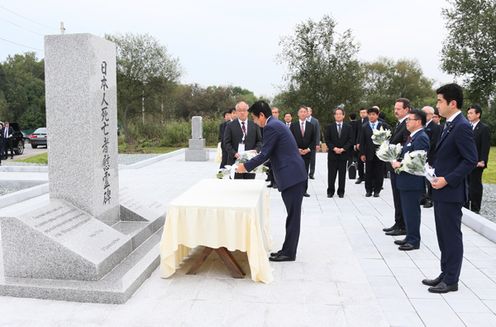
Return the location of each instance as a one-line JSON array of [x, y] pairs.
[[196, 150], [79, 243]]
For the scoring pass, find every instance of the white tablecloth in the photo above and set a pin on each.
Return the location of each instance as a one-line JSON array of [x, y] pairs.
[[219, 213]]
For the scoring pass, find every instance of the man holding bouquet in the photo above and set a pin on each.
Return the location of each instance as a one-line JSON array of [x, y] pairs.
[[409, 185], [290, 173]]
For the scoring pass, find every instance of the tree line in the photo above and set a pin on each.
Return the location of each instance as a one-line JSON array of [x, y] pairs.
[[323, 72]]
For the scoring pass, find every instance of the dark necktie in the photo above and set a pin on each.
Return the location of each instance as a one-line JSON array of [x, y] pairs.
[[243, 128], [302, 129], [446, 128], [339, 130]]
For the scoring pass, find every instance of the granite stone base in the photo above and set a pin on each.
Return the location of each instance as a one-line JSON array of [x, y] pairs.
[[197, 155]]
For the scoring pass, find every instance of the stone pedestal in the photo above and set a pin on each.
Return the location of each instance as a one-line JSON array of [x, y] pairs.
[[196, 150]]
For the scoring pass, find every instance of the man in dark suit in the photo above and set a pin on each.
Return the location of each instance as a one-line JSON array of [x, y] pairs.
[[456, 157], [288, 119], [411, 186], [270, 173], [339, 139], [304, 134], [289, 172], [360, 164], [399, 136], [482, 137], [315, 122], [241, 135], [222, 128], [433, 131], [374, 167], [7, 140]]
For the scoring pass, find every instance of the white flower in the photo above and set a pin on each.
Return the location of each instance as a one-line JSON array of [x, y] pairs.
[[243, 158], [414, 163], [380, 136], [388, 152]]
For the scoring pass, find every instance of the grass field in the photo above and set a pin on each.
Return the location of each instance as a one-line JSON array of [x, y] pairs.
[[489, 176], [38, 159]]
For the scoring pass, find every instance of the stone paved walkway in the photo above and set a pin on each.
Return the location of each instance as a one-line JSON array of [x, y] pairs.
[[347, 273]]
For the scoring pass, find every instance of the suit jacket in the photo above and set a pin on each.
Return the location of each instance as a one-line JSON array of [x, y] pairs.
[[305, 141], [280, 147], [222, 129], [400, 134], [367, 147], [345, 141], [433, 131], [482, 136], [406, 181], [456, 157], [359, 126], [10, 132], [315, 122], [233, 136]]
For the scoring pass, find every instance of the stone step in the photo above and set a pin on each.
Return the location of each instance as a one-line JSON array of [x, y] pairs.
[[115, 287]]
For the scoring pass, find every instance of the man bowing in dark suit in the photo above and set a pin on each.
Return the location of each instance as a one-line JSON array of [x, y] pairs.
[[411, 186], [456, 157], [304, 134], [339, 139], [289, 172], [241, 135], [482, 137], [399, 136]]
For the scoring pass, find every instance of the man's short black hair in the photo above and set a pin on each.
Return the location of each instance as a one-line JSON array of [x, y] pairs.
[[477, 108], [374, 110], [406, 103], [226, 112], [339, 108], [353, 116], [419, 114], [232, 110], [288, 113], [260, 107], [452, 92]]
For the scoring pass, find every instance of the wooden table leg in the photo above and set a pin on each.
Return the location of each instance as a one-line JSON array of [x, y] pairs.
[[199, 261], [230, 262]]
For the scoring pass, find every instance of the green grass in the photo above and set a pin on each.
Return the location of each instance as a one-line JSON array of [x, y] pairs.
[[147, 149], [489, 175], [37, 159]]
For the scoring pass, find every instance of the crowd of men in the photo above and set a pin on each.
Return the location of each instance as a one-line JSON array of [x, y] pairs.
[[458, 150], [6, 141]]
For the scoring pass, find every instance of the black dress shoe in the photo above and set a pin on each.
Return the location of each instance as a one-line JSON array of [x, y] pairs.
[[388, 229], [408, 247], [442, 287], [432, 282], [306, 195], [376, 195], [274, 185], [281, 257], [358, 181], [400, 242], [396, 232], [428, 204], [311, 177], [330, 195], [270, 185], [368, 194], [341, 195], [275, 254]]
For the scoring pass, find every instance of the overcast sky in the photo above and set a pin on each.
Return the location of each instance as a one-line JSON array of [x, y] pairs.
[[229, 42]]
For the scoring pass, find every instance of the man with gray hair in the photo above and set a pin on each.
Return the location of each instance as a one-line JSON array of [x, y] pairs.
[[432, 130]]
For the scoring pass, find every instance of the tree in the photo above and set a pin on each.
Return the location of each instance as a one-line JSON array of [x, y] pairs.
[[22, 88], [469, 48], [322, 64], [145, 71], [386, 80]]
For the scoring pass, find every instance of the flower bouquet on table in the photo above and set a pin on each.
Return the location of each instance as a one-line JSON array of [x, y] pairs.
[[243, 158], [414, 163], [381, 135], [388, 152]]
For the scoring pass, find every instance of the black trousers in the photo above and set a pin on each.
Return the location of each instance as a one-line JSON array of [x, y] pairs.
[[361, 169], [448, 216], [336, 167], [223, 162], [7, 144], [398, 211], [374, 175], [312, 162], [307, 160], [292, 198], [475, 189]]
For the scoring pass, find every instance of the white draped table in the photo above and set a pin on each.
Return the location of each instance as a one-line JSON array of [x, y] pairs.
[[219, 214]]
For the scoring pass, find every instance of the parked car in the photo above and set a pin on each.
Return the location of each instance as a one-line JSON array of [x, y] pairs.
[[17, 139], [38, 137]]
